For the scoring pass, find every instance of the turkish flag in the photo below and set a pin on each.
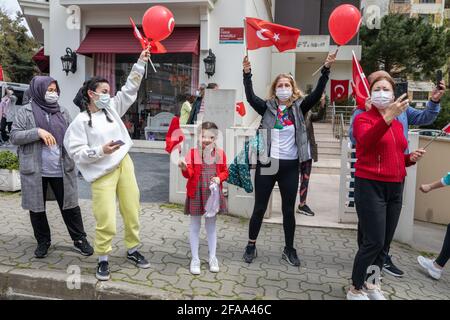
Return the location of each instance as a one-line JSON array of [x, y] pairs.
[[155, 46], [1, 73], [360, 84], [260, 33], [174, 135], [339, 90], [447, 129], [240, 108]]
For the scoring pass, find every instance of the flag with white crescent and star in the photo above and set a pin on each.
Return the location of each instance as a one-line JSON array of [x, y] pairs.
[[260, 33], [339, 90]]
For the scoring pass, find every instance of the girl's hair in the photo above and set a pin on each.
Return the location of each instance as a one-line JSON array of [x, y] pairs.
[[92, 85], [381, 78], [208, 125], [296, 93]]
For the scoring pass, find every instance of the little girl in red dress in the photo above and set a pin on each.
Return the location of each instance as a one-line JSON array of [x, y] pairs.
[[204, 166]]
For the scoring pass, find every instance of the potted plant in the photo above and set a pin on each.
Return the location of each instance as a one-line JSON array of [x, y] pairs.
[[9, 171]]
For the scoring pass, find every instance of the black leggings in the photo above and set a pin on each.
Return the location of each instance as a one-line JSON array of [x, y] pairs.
[[3, 125], [287, 177], [378, 205], [72, 217], [444, 256]]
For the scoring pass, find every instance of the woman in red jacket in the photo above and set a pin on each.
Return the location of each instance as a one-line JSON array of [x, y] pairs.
[[379, 177], [205, 168]]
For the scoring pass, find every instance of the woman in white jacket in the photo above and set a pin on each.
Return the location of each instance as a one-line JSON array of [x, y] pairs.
[[99, 142]]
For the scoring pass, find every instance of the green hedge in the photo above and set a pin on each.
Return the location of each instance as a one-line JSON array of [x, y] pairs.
[[9, 160]]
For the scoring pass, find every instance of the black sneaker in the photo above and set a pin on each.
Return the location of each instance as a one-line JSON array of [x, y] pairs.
[[42, 250], [103, 273], [83, 247], [290, 255], [138, 259], [305, 210], [391, 269], [250, 253]]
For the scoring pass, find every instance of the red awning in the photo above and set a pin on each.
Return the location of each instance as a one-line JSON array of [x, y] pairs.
[[42, 61], [122, 40]]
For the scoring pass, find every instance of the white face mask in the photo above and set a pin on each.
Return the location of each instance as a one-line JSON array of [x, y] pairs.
[[283, 94], [103, 100], [381, 99], [51, 97]]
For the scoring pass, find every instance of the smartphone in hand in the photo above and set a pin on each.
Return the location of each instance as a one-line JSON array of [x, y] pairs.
[[118, 143], [438, 79], [400, 89]]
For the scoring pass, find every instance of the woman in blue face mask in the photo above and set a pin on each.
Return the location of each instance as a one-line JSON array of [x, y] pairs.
[[99, 142]]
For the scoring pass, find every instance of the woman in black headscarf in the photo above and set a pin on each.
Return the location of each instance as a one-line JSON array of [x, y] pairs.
[[39, 132]]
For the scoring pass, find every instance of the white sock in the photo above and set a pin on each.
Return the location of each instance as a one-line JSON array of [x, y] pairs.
[[194, 235], [210, 226], [132, 250], [102, 258]]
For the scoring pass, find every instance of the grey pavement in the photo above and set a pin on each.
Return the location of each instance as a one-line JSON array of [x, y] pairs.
[[326, 255]]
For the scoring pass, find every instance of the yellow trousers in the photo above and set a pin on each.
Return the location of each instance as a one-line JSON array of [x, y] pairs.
[[120, 183]]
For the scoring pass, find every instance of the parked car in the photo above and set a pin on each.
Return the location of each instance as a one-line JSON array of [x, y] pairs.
[[18, 88]]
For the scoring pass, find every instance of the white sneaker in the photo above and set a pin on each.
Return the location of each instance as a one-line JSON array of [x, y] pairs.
[[213, 265], [356, 296], [195, 266], [374, 293], [428, 265]]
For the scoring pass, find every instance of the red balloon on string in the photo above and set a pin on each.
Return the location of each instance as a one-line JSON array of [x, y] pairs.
[[158, 23], [344, 23]]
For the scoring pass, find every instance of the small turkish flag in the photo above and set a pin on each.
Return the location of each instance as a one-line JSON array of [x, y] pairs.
[[174, 135], [447, 129], [240, 108], [155, 46], [360, 84], [260, 33], [1, 73], [339, 90]]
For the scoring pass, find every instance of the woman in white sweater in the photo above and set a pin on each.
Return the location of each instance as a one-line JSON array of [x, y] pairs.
[[99, 142]]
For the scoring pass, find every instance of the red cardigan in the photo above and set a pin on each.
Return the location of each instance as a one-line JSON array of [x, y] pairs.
[[194, 169], [380, 148]]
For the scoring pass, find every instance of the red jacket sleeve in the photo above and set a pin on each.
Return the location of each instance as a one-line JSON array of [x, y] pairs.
[[189, 172], [408, 161], [368, 134], [223, 169]]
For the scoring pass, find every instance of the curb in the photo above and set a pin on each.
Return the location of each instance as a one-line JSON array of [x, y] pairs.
[[38, 284]]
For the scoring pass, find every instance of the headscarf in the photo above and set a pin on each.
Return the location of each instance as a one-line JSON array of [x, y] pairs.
[[56, 124]]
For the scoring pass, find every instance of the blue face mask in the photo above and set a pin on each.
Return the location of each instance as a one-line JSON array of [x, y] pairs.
[[103, 100]]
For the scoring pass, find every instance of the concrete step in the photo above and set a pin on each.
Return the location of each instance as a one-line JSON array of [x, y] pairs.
[[327, 166], [329, 156], [320, 139], [329, 144], [333, 150]]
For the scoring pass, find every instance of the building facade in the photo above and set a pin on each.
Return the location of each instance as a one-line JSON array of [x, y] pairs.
[[100, 33], [311, 17]]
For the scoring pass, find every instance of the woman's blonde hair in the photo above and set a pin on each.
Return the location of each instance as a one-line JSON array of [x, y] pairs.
[[296, 92]]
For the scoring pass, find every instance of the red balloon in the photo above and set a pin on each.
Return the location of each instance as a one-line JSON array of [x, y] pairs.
[[158, 23], [344, 23]]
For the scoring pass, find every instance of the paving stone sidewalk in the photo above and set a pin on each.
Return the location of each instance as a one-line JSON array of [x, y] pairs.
[[326, 255]]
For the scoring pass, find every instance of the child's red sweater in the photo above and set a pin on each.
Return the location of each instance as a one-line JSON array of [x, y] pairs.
[[380, 148], [194, 169]]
